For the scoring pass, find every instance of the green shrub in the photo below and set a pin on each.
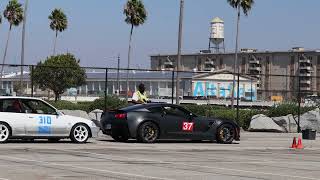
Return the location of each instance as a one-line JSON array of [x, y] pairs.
[[287, 108], [113, 102], [245, 115], [70, 105]]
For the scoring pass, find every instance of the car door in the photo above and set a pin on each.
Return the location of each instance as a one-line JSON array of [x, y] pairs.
[[12, 113], [43, 120], [177, 122]]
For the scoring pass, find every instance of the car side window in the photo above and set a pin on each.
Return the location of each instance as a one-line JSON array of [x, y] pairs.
[[157, 110], [10, 105], [175, 111], [38, 107]]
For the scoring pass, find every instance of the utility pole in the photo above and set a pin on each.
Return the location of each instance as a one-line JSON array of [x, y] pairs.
[[179, 51], [22, 45], [118, 76]]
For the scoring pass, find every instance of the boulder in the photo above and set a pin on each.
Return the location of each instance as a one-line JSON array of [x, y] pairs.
[[263, 123], [76, 113], [310, 120], [287, 123], [96, 114]]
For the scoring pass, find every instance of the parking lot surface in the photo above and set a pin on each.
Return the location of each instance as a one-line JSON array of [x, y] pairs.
[[257, 156]]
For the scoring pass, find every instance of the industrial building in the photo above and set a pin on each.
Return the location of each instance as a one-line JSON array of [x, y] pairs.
[[279, 74]]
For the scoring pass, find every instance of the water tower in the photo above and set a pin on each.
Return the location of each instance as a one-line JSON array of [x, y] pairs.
[[216, 40]]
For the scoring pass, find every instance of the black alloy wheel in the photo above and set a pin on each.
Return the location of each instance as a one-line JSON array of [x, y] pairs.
[[225, 134], [148, 132]]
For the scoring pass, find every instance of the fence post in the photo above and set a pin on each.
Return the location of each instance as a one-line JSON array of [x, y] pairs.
[[238, 95], [172, 90], [299, 96], [106, 90], [32, 69]]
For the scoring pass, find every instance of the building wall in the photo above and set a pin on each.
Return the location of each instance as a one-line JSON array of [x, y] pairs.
[[279, 70]]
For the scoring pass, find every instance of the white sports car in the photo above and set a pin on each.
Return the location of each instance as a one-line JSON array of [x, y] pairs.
[[32, 118]]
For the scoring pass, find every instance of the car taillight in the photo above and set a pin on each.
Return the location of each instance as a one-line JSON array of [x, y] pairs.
[[120, 116]]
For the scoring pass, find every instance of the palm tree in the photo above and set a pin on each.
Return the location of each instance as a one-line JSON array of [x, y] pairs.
[[59, 23], [14, 14], [136, 15], [246, 6]]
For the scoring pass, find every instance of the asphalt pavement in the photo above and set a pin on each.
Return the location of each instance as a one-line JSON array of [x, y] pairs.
[[257, 156]]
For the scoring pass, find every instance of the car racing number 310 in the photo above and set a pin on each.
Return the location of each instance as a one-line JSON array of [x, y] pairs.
[[32, 118]]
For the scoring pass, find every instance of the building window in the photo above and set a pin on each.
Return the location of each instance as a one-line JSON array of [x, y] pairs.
[[221, 63], [243, 61]]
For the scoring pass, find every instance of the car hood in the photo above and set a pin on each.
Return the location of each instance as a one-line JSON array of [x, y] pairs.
[[77, 119]]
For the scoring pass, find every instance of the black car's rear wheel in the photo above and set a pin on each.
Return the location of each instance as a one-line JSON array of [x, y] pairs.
[[148, 132], [225, 134]]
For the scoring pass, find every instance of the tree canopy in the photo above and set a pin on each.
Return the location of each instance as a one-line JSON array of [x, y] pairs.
[[14, 13], [245, 5], [59, 21], [135, 12], [58, 73]]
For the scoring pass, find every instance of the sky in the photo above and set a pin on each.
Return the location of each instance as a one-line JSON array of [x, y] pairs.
[[97, 32]]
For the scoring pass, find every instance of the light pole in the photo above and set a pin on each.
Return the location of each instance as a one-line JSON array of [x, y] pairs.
[[22, 45], [118, 76], [179, 50]]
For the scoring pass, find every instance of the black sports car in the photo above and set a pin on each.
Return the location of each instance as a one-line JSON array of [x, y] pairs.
[[149, 122]]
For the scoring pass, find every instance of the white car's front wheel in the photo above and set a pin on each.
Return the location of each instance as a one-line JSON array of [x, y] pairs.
[[4, 132], [80, 133]]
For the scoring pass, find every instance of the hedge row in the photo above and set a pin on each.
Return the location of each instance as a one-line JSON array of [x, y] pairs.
[[201, 110]]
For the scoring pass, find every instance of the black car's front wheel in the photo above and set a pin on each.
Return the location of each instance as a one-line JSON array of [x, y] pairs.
[[225, 134], [148, 132]]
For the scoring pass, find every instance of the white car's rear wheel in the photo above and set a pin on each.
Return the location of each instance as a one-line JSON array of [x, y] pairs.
[[80, 133], [4, 132]]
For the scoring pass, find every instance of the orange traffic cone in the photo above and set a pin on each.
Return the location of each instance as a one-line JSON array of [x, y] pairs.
[[294, 143], [299, 146]]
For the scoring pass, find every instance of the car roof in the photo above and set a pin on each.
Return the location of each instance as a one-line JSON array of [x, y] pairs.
[[18, 97], [143, 106]]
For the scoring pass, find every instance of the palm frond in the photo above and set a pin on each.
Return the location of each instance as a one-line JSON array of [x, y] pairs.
[[135, 12], [14, 13], [246, 5], [59, 21]]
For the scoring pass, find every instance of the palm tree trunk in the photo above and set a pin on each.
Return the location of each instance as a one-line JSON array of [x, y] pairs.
[[128, 66], [5, 55], [22, 46], [235, 62], [55, 44]]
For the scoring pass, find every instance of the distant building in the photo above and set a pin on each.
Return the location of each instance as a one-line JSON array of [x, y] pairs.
[[277, 72], [215, 85]]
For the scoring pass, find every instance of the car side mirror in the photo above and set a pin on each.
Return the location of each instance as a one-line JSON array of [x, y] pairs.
[[191, 115], [58, 113]]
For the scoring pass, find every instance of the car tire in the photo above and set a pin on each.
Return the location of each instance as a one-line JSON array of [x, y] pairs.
[[5, 132], [225, 134], [148, 132], [80, 133]]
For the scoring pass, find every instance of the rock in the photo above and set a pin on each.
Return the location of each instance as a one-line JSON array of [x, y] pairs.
[[96, 114], [262, 123], [76, 113], [310, 120], [287, 123]]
